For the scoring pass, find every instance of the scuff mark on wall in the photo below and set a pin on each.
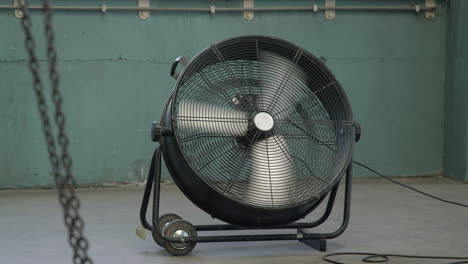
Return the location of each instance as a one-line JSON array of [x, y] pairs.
[[138, 170]]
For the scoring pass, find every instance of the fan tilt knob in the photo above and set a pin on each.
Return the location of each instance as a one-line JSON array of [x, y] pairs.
[[155, 131], [264, 121]]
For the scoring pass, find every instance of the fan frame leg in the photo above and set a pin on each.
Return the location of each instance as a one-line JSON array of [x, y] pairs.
[[314, 240]]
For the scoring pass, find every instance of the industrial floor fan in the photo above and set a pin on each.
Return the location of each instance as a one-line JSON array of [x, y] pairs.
[[257, 132]]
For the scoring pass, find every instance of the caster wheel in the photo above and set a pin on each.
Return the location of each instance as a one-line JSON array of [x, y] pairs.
[[176, 229], [163, 220]]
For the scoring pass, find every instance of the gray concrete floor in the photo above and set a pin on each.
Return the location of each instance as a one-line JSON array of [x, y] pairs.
[[384, 218]]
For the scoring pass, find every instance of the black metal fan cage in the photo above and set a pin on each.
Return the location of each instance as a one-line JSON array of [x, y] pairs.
[[249, 173], [223, 88]]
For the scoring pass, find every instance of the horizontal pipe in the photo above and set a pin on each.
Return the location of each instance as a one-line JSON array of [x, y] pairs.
[[223, 9]]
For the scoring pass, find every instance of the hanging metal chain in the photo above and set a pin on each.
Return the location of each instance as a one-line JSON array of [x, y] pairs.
[[64, 180]]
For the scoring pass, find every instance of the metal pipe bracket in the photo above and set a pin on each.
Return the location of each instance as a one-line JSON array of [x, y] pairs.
[[330, 9], [143, 4], [18, 12], [430, 9], [248, 15]]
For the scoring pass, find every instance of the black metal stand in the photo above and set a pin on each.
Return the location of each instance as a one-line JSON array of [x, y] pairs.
[[318, 244], [314, 240]]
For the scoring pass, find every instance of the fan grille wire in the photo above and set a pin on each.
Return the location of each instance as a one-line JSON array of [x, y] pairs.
[[219, 94]]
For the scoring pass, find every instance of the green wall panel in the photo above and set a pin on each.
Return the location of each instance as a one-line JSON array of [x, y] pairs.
[[456, 127], [114, 76]]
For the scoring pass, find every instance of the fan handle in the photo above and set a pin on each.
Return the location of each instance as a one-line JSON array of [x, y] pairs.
[[184, 61]]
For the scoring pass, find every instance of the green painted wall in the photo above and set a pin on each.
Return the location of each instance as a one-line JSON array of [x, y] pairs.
[[456, 127], [114, 76]]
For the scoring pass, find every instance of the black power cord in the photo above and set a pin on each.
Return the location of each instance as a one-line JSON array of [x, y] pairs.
[[380, 258], [409, 187]]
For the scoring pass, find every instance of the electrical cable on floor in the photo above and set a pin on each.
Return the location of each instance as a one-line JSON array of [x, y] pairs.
[[409, 187], [380, 258]]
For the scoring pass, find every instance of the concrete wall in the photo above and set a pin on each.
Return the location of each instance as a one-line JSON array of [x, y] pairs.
[[456, 125], [114, 76]]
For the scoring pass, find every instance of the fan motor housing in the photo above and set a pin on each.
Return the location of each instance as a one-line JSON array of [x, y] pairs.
[[302, 136]]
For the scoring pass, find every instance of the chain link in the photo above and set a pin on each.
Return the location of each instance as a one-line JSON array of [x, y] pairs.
[[64, 181]]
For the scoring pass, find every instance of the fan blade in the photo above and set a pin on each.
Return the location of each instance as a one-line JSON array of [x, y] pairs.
[[205, 118], [279, 79], [272, 174]]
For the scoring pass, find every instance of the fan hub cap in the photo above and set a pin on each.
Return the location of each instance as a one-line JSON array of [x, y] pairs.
[[264, 121]]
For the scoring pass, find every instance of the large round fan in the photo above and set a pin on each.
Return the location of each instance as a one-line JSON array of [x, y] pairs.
[[261, 131]]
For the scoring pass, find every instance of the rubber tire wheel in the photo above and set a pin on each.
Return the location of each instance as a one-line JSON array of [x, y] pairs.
[[172, 227], [164, 219]]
